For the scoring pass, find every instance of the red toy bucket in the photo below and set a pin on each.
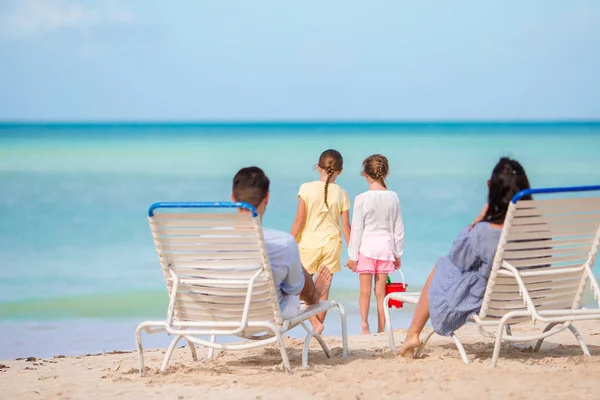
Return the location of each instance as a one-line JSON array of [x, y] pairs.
[[395, 288]]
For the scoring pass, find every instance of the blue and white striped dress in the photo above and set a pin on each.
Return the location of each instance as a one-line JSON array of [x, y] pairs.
[[460, 278]]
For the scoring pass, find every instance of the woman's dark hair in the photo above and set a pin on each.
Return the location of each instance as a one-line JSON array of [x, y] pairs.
[[330, 161], [508, 178]]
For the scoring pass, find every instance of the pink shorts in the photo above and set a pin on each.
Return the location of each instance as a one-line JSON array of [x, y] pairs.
[[366, 265]]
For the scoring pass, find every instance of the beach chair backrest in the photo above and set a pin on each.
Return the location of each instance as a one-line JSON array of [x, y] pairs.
[[214, 257], [550, 245]]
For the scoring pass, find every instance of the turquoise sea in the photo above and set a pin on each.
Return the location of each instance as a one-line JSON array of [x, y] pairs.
[[79, 270]]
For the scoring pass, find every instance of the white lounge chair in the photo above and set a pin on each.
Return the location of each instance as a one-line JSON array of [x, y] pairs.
[[220, 282], [541, 268]]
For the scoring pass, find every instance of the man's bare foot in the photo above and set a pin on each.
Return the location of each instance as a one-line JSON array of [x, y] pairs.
[[365, 329], [317, 325], [407, 350], [323, 281]]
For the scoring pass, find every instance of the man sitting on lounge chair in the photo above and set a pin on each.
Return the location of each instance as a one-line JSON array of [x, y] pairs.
[[293, 283]]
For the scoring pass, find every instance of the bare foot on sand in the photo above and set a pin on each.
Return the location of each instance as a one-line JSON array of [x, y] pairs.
[[365, 328], [317, 325], [407, 350]]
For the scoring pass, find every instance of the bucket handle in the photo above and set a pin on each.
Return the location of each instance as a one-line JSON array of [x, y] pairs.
[[402, 275]]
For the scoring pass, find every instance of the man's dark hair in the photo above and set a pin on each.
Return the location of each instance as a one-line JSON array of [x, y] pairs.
[[250, 185]]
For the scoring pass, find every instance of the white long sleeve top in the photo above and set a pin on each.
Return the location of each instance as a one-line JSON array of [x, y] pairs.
[[377, 227]]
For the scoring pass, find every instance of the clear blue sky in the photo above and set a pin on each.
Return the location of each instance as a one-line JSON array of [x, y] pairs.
[[310, 59]]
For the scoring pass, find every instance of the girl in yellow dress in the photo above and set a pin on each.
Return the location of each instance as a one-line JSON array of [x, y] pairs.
[[321, 205]]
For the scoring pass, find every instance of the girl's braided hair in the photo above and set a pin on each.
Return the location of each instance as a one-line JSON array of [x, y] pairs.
[[330, 161], [377, 168]]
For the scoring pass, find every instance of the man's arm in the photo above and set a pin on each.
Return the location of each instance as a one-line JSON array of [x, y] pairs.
[[295, 279], [309, 293]]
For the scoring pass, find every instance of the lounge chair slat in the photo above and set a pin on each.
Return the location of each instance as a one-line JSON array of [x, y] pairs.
[[224, 288], [571, 209], [184, 241], [205, 230], [546, 292], [563, 300], [496, 313], [216, 264], [232, 228], [202, 240], [234, 309], [219, 316], [543, 243], [199, 223], [192, 215], [574, 259], [212, 274], [194, 302], [585, 226], [201, 298], [212, 232], [551, 234], [202, 246], [559, 203], [254, 256], [534, 279], [546, 252], [513, 287], [556, 219]]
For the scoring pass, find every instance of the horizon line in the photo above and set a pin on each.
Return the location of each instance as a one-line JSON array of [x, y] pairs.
[[304, 122]]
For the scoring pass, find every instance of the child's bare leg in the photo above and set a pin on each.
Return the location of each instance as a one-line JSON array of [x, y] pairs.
[[364, 301], [419, 320], [380, 282], [313, 291], [325, 296], [322, 285]]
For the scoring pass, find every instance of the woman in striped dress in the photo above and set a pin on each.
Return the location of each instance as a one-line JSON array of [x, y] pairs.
[[455, 288]]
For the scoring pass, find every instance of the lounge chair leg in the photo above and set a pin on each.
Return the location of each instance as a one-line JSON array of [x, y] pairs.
[[426, 338], [460, 348], [192, 347], [388, 324], [497, 344], [344, 329], [170, 352], [318, 337], [309, 335], [538, 344], [211, 351], [138, 340], [508, 330], [284, 355], [323, 345], [579, 338]]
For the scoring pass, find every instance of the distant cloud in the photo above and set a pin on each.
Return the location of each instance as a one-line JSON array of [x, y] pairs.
[[30, 18]]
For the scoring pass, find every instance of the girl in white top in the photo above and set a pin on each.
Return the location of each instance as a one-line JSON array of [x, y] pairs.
[[377, 238]]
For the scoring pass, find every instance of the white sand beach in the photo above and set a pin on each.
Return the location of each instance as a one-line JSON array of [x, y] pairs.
[[371, 371]]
